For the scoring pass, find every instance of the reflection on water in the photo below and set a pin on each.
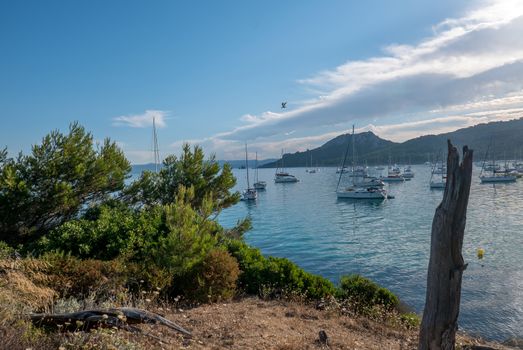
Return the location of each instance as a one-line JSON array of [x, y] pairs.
[[388, 241]]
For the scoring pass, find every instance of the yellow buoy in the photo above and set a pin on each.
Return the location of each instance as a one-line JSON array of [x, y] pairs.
[[481, 252]]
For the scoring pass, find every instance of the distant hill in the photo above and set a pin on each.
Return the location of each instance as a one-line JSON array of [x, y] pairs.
[[138, 168], [505, 140], [332, 152], [241, 163]]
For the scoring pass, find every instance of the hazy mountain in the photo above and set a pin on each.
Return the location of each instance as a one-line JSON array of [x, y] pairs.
[[504, 140], [138, 168]]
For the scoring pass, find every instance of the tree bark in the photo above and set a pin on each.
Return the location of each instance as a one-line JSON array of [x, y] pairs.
[[446, 265]]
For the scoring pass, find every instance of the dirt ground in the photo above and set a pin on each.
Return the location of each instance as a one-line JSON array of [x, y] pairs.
[[256, 324]]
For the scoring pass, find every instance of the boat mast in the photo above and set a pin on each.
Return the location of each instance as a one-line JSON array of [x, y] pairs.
[[256, 170], [156, 151], [353, 153], [485, 159], [247, 167], [343, 163], [282, 165]]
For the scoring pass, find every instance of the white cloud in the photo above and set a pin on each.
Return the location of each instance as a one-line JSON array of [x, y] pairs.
[[144, 120], [469, 71]]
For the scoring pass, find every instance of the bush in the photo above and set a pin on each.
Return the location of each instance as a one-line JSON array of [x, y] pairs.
[[212, 280], [5, 250], [72, 277], [410, 320], [107, 232], [364, 294], [278, 274]]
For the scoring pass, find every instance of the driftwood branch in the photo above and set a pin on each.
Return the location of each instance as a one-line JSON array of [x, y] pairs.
[[122, 318], [446, 265]]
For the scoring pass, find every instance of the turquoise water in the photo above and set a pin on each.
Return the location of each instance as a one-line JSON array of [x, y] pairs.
[[389, 241]]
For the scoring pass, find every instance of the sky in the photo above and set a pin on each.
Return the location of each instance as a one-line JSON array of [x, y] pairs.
[[214, 73]]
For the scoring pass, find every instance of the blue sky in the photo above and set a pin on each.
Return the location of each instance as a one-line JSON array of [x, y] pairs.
[[215, 72]]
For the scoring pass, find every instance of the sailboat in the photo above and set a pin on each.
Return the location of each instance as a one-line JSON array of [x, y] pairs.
[[441, 180], [356, 192], [497, 175], [249, 194], [258, 185], [407, 171], [393, 174], [311, 170], [282, 176]]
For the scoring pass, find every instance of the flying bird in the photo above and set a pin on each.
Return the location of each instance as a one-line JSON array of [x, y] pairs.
[[284, 105]]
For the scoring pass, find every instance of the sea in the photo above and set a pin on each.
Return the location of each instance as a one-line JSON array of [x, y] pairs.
[[389, 241]]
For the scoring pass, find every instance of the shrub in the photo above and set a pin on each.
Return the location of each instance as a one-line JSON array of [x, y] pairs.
[[410, 320], [106, 232], [364, 294], [5, 250], [72, 277], [212, 280], [278, 274]]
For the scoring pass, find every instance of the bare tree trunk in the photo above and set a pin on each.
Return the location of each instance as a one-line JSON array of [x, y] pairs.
[[446, 265]]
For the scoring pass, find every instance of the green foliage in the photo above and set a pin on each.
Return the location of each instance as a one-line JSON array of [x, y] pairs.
[[158, 234], [190, 170], [211, 280], [279, 274], [5, 250], [237, 231], [40, 191], [363, 293], [410, 320], [3, 157], [190, 234], [107, 232]]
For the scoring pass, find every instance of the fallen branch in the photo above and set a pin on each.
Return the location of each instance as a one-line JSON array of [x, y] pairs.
[[121, 318]]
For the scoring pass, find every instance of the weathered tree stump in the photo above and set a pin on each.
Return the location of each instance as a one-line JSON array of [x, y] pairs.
[[446, 265]]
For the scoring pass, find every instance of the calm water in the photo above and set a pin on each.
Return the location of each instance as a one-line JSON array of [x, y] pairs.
[[389, 241]]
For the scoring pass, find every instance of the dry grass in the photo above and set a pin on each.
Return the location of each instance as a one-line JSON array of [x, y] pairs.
[[23, 286], [248, 323]]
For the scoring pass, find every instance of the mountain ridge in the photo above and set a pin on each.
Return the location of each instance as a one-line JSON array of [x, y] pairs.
[[502, 140]]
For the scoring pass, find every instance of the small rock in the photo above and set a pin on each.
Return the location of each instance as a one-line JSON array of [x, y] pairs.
[[323, 337]]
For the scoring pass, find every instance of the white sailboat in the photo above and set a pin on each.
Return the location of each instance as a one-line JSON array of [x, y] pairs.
[[393, 174], [407, 171], [250, 193], [354, 191], [282, 176], [497, 175], [438, 178], [258, 185], [311, 170]]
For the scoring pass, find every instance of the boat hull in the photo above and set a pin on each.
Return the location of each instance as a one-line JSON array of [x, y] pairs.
[[260, 185], [392, 179], [497, 179], [438, 184], [361, 194], [285, 179], [249, 195]]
